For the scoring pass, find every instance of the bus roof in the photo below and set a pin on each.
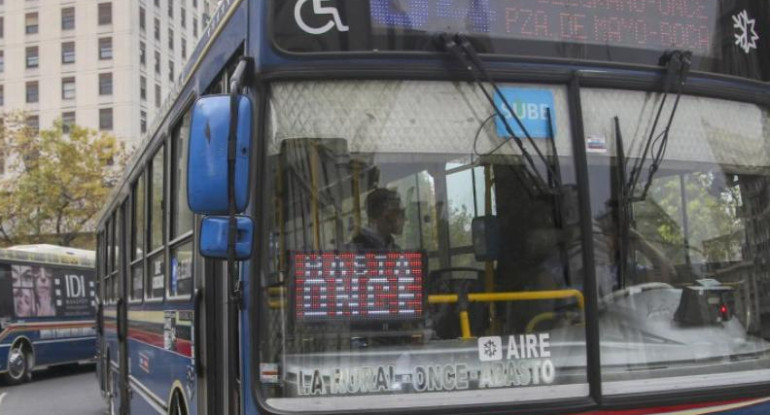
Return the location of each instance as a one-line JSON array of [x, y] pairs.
[[49, 254]]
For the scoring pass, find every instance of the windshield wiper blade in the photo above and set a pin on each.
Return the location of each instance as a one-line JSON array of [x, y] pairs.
[[677, 67], [462, 50], [623, 207]]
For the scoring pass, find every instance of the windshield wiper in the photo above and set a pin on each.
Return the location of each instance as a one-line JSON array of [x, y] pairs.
[[623, 206], [462, 50], [677, 66]]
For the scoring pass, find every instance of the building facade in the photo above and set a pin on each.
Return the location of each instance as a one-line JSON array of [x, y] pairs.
[[102, 64]]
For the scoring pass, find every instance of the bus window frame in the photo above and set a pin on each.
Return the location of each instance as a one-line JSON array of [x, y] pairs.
[[177, 123], [591, 341], [162, 250], [178, 240], [113, 271], [137, 261]]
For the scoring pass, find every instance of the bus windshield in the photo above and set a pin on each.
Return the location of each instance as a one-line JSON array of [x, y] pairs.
[[415, 249]]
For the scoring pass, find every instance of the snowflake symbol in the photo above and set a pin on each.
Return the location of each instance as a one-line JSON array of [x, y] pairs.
[[490, 349], [746, 37]]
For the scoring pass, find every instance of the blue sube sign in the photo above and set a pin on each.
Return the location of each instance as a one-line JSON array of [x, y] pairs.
[[530, 106]]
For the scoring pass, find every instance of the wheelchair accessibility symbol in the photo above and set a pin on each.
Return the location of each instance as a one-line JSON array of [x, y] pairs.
[[319, 9]]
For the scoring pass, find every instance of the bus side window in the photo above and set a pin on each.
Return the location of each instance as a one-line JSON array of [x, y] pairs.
[[6, 299], [156, 285]]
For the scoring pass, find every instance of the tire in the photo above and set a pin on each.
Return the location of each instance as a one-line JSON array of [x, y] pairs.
[[177, 407], [19, 364]]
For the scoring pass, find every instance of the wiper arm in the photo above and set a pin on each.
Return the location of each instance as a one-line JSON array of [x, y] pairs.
[[462, 50], [623, 206], [678, 65]]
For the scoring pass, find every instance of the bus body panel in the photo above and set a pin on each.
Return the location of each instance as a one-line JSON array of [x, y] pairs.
[[156, 367]]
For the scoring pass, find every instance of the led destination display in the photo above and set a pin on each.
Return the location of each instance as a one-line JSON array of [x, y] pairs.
[[644, 24], [357, 286], [724, 36]]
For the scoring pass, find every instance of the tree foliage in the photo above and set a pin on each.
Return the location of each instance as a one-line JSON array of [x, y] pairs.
[[714, 227], [55, 183]]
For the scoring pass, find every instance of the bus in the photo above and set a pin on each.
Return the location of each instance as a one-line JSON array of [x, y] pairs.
[[47, 309], [449, 207]]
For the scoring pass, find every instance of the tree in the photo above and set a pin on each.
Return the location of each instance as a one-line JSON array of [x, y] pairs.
[[56, 182]]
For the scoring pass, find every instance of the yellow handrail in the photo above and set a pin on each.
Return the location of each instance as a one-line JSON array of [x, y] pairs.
[[510, 296], [465, 326]]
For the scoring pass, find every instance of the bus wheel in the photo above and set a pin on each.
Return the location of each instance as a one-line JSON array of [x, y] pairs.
[[19, 364], [177, 406]]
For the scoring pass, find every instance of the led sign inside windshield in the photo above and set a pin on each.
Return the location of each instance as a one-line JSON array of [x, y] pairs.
[[357, 286], [644, 24]]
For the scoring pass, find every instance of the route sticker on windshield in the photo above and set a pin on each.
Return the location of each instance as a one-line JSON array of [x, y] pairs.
[[268, 373], [596, 143]]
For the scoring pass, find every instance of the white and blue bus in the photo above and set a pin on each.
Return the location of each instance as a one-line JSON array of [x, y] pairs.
[[450, 207], [47, 309]]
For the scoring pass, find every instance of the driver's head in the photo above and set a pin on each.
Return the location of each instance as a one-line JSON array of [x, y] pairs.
[[383, 207]]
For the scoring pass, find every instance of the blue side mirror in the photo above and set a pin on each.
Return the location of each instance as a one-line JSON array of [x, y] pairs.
[[214, 235], [207, 160]]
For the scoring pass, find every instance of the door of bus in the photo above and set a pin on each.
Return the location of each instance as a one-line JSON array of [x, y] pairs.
[[122, 309]]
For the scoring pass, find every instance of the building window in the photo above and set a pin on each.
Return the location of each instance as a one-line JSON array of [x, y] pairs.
[[142, 19], [2, 27], [142, 54], [171, 71], [105, 14], [32, 57], [105, 84], [183, 17], [195, 27], [157, 30], [68, 18], [170, 39], [2, 61], [157, 3], [105, 48], [33, 92], [195, 3], [143, 121], [157, 62], [184, 48], [171, 8], [67, 121], [68, 88], [68, 52], [33, 123], [30, 23], [157, 95], [105, 119], [2, 97], [143, 88]]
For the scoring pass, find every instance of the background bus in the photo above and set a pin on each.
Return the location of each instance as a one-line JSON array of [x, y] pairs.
[[459, 206], [47, 308]]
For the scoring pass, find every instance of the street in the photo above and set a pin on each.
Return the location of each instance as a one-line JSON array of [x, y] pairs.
[[61, 391]]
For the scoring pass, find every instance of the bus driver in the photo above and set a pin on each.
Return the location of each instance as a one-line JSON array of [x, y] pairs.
[[386, 218]]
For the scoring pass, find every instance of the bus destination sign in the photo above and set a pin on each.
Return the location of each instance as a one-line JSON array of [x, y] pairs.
[[644, 24], [357, 286], [723, 36]]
